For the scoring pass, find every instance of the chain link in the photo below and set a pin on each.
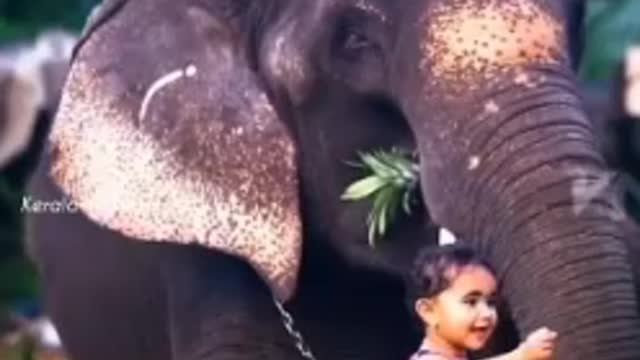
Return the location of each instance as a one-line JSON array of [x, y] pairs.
[[289, 325]]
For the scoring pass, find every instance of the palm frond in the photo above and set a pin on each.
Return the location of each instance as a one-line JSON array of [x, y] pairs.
[[389, 182]]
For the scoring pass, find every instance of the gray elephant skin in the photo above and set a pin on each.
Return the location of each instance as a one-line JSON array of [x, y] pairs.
[[205, 143]]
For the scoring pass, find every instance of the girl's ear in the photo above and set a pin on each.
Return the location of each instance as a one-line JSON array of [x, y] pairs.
[[425, 308]]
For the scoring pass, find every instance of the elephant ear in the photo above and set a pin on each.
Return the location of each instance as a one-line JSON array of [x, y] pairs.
[[165, 134]]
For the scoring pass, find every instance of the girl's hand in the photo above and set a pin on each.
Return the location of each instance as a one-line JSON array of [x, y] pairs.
[[539, 345]]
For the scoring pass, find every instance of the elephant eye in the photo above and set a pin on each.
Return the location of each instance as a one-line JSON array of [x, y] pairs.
[[353, 44], [355, 50], [355, 41]]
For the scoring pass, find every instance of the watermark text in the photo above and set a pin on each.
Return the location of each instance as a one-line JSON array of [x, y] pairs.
[[58, 206]]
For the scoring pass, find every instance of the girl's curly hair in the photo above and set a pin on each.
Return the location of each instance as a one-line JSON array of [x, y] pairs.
[[435, 268]]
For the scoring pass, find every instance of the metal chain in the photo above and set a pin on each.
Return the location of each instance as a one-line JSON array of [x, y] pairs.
[[289, 325]]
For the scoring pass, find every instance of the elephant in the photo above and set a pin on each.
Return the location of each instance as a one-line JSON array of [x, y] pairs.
[[204, 147]]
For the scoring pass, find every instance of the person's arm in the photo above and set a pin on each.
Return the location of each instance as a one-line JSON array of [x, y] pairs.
[[539, 345], [513, 355]]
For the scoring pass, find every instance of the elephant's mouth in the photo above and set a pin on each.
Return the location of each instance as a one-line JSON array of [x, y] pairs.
[[390, 185]]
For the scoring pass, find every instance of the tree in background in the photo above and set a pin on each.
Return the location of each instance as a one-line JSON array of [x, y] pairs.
[[24, 19], [612, 26]]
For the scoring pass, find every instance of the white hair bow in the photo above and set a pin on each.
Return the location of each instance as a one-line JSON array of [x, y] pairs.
[[446, 237]]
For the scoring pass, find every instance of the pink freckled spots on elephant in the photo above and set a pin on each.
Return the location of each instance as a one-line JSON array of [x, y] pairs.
[[522, 79], [242, 202], [527, 81], [474, 39]]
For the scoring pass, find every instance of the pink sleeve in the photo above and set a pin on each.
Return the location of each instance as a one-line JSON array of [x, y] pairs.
[[427, 356]]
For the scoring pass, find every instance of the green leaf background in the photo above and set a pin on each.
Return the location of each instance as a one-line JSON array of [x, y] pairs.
[[23, 19], [612, 26]]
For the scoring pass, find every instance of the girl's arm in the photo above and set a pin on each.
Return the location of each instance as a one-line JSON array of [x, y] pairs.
[[539, 345], [516, 354]]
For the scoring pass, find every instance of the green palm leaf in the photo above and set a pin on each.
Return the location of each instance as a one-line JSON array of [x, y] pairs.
[[389, 182], [363, 188]]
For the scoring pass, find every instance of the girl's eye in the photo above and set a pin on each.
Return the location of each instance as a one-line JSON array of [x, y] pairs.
[[471, 301], [475, 301]]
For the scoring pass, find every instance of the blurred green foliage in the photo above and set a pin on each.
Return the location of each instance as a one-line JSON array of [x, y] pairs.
[[611, 27], [24, 19], [17, 279]]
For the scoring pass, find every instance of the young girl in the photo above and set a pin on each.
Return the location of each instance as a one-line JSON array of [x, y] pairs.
[[454, 293]]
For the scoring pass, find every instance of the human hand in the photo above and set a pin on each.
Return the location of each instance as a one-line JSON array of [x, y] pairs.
[[539, 345]]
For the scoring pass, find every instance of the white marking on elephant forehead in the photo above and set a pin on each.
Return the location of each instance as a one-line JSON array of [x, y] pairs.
[[474, 162], [632, 93], [165, 80]]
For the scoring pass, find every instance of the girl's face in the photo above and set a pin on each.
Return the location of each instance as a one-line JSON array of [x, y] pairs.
[[462, 317]]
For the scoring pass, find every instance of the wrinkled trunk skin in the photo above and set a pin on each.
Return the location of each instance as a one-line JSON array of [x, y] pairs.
[[567, 264]]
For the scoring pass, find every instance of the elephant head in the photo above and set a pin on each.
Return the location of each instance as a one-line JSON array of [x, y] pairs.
[[221, 123]]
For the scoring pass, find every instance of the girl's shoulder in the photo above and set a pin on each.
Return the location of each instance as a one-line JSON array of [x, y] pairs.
[[424, 354], [427, 355]]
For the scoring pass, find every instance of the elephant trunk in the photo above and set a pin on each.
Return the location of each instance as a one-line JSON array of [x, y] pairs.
[[525, 184], [556, 231]]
